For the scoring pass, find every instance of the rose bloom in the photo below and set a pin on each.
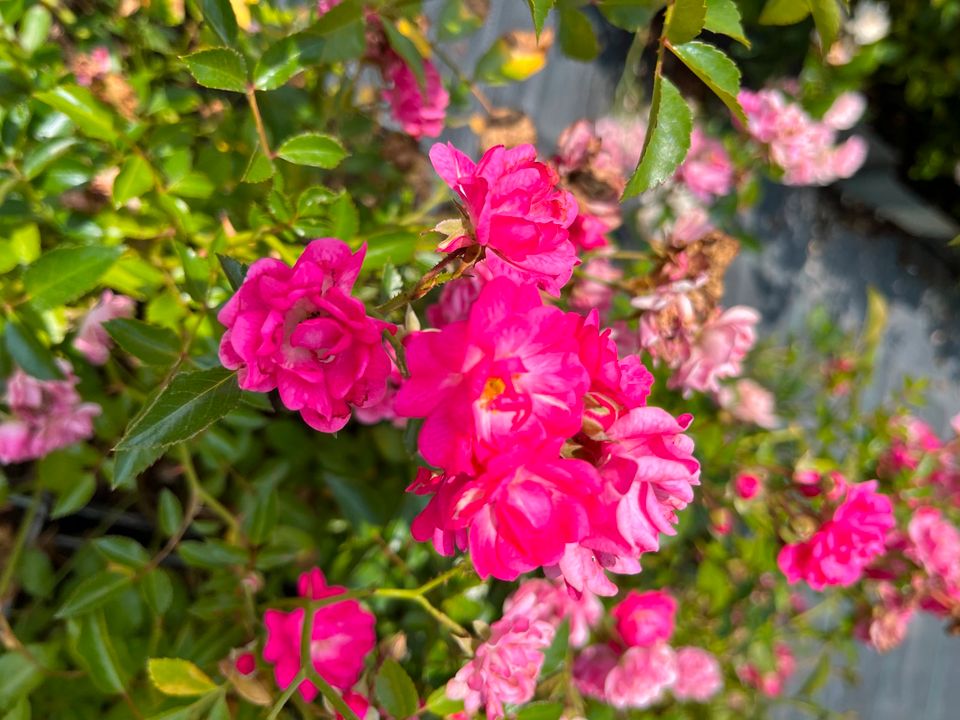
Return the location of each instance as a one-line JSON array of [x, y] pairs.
[[299, 330], [698, 675], [935, 547], [749, 402], [747, 486], [342, 635], [718, 350], [505, 668], [516, 213], [593, 291], [846, 110], [590, 670], [707, 170], [456, 299], [840, 550], [644, 619], [420, 112], [641, 677], [92, 340], [551, 602]]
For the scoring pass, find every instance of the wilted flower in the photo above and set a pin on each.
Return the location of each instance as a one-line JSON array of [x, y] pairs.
[[718, 350]]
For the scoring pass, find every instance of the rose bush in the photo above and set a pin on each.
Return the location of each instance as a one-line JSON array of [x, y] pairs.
[[308, 412]]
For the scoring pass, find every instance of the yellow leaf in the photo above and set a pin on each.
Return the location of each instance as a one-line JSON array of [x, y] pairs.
[[413, 34], [242, 12], [175, 676]]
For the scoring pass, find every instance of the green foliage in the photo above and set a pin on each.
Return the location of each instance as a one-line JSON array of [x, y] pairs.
[[668, 138]]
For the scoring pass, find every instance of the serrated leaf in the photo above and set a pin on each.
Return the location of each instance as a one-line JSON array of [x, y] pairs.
[[219, 14], [178, 677], [285, 58], [122, 550], [95, 647], [78, 103], [784, 12], [64, 274], [667, 141], [77, 495], [723, 17], [28, 352], [93, 592], [235, 270], [152, 344], [259, 168], [187, 406], [135, 178], [827, 18], [577, 37], [315, 149], [218, 68], [128, 464], [395, 691], [685, 20], [539, 10], [716, 70]]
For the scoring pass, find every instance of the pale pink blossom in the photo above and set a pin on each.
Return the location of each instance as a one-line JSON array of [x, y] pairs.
[[693, 224], [516, 213], [749, 402], [645, 619], [299, 330], [707, 170], [505, 668], [718, 350], [846, 110], [594, 291], [323, 7], [622, 141], [421, 112], [43, 415], [92, 340], [641, 677], [840, 550], [342, 636], [553, 603], [698, 675], [890, 620], [935, 547]]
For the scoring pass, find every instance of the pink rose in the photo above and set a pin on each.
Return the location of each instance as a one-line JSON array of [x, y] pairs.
[[698, 675], [644, 619], [515, 211], [92, 340], [722, 344], [420, 112], [641, 677], [746, 486], [707, 170], [590, 670], [748, 402], [299, 330], [551, 602], [846, 110]]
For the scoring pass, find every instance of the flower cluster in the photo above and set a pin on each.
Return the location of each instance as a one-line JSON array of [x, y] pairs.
[[43, 415], [914, 441], [299, 330], [342, 634], [806, 149], [638, 666]]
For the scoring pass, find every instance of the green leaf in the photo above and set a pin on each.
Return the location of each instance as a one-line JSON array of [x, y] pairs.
[[577, 37], [394, 246], [219, 14], [555, 655], [65, 273], [395, 691], [19, 711], [20, 247], [667, 141], [784, 12], [440, 705], [34, 28], [218, 68], [95, 647], [194, 711], [135, 178], [152, 344], [20, 675], [259, 168], [827, 18], [404, 47], [187, 406], [211, 554], [716, 70], [169, 513], [128, 464], [122, 550], [220, 709], [539, 9], [285, 58], [685, 20], [540, 711], [38, 158], [313, 149], [87, 113], [235, 270], [77, 496], [93, 592], [36, 573], [723, 17], [817, 678], [178, 677], [157, 590], [459, 18], [259, 524], [29, 353], [628, 15]]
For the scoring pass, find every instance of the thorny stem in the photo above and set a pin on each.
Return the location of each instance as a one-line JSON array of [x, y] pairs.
[[258, 121], [468, 257]]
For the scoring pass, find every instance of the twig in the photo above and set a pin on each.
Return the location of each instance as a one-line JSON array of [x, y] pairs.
[[258, 121]]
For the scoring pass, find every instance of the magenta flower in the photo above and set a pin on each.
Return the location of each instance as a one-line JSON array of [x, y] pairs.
[[505, 668], [707, 170], [421, 112], [698, 675], [645, 619], [717, 352], [43, 415], [456, 299], [507, 375], [841, 549], [641, 677], [92, 340], [343, 634], [515, 212], [299, 330], [552, 603], [588, 232], [746, 486]]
